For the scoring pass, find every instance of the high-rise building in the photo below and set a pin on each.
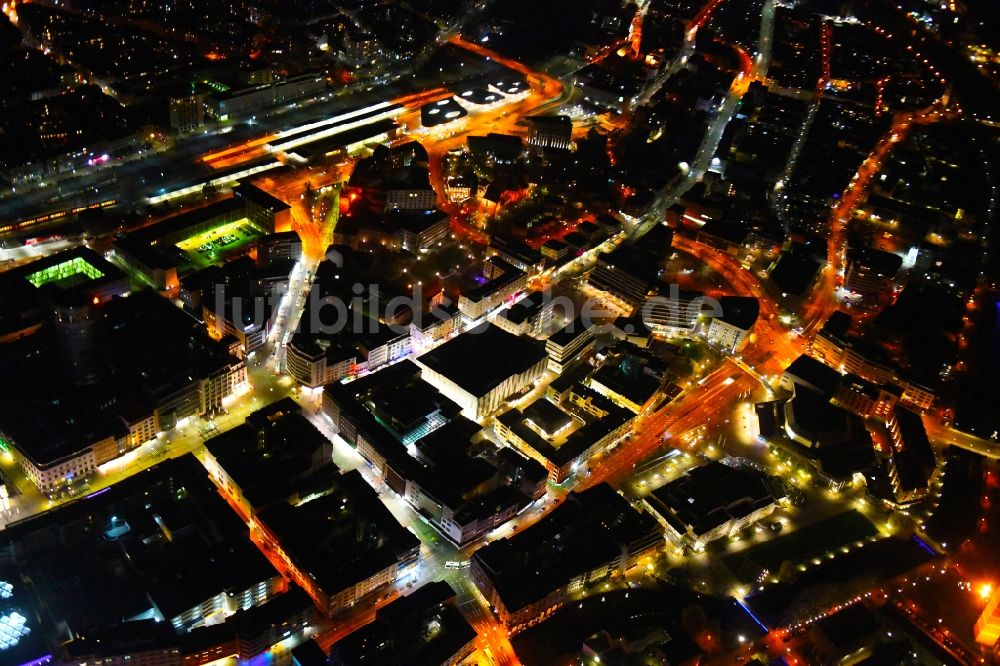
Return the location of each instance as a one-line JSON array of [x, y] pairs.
[[360, 48], [569, 343], [187, 113], [731, 326], [550, 131], [76, 337], [871, 272], [987, 628]]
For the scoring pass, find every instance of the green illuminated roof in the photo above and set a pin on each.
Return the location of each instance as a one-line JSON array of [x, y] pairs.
[[63, 271]]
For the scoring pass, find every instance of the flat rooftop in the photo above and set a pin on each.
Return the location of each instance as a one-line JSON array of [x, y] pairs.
[[66, 270], [163, 536], [415, 221], [180, 223], [148, 348], [481, 359], [274, 455], [794, 272], [547, 417], [710, 495], [343, 537], [740, 311], [587, 530], [424, 628]]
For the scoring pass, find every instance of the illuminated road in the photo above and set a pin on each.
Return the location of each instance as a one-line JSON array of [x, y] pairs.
[[309, 219], [187, 437], [687, 50], [822, 301], [656, 430], [700, 404], [825, 53], [702, 16], [772, 346], [315, 227], [770, 349], [752, 69], [762, 60], [506, 118], [947, 436]]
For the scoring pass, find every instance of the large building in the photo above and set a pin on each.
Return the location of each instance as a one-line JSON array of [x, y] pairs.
[[360, 48], [73, 278], [987, 628], [147, 365], [409, 189], [633, 378], [187, 113], [871, 272], [813, 421], [731, 328], [836, 348], [613, 83], [560, 442], [429, 329], [675, 312], [316, 361], [266, 212], [591, 536], [502, 282], [814, 428], [266, 458], [233, 104], [189, 586], [159, 254], [248, 315], [517, 253], [337, 539], [793, 276], [340, 562], [569, 343], [711, 502], [165, 541], [277, 247], [806, 372], [421, 230], [625, 278], [532, 315], [424, 627], [912, 464], [550, 132], [414, 438], [329, 338], [482, 367], [865, 398]]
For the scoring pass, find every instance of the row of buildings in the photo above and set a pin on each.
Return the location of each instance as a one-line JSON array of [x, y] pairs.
[[226, 557], [316, 359], [827, 425], [592, 536], [329, 528], [413, 435], [837, 349], [106, 370], [176, 555], [101, 372], [152, 256], [628, 280], [189, 113]]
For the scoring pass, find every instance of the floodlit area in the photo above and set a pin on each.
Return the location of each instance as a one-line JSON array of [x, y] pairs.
[[608, 333], [214, 244]]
